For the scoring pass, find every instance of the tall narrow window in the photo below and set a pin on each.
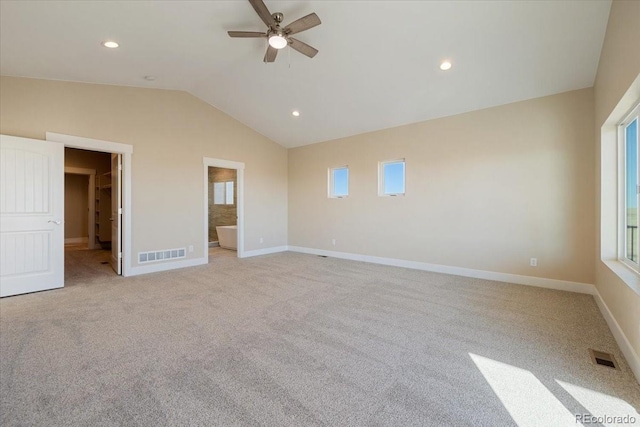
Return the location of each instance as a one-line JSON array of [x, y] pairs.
[[218, 193], [391, 178], [229, 193], [629, 131], [339, 182]]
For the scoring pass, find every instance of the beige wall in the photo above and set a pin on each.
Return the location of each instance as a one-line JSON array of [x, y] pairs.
[[171, 132], [619, 67], [76, 206], [486, 190]]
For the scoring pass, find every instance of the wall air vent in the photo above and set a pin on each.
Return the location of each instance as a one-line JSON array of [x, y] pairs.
[[603, 359], [163, 255]]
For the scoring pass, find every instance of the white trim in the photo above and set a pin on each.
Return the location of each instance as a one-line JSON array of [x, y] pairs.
[[625, 346], [561, 285], [226, 164], [74, 240], [89, 143], [127, 207], [265, 251], [154, 268], [91, 240]]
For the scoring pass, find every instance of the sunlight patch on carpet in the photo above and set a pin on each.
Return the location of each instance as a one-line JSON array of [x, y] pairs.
[[526, 399]]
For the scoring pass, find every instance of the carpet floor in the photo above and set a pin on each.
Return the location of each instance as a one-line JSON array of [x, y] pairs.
[[295, 340]]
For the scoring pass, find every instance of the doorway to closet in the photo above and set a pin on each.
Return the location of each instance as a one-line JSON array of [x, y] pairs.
[[92, 204], [119, 189]]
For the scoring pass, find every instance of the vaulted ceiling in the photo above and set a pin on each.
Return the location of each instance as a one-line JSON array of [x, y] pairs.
[[378, 65]]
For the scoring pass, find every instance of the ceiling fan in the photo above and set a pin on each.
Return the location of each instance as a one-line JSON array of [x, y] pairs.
[[277, 36]]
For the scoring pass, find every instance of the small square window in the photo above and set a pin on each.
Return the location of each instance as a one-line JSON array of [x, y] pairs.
[[339, 182], [391, 178], [223, 193]]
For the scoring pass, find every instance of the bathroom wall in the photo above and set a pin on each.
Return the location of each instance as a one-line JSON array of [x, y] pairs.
[[222, 214]]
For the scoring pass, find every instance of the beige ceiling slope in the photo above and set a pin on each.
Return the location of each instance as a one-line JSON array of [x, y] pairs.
[[377, 66]]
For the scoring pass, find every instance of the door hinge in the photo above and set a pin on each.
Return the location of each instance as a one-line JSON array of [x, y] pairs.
[[119, 255], [119, 167], [638, 189], [120, 211]]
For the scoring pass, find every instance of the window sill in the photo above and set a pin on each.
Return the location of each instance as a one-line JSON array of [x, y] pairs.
[[626, 274]]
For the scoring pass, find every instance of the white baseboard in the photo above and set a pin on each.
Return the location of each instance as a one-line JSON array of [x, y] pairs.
[[165, 266], [562, 285], [625, 346], [265, 251], [75, 240]]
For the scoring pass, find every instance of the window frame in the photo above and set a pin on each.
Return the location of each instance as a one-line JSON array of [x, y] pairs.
[[381, 165], [622, 192], [331, 183], [225, 185]]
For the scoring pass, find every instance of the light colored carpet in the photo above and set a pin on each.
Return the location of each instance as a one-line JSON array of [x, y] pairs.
[[222, 252], [293, 340]]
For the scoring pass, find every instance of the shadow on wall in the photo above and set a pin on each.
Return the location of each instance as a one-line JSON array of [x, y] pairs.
[[223, 186]]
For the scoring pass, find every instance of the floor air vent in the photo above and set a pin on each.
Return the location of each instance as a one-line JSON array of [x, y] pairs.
[[603, 359], [165, 254]]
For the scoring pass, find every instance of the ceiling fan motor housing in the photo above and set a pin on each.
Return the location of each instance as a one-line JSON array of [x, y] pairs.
[[277, 36], [278, 17]]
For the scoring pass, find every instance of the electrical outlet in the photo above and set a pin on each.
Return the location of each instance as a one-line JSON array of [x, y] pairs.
[[333, 242], [533, 262], [190, 248], [261, 240]]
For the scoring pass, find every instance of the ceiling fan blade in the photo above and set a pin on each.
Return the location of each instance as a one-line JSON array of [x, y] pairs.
[[303, 48], [263, 12], [302, 24], [246, 34], [271, 54]]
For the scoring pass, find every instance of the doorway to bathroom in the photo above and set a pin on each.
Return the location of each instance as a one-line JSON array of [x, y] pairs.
[[223, 208]]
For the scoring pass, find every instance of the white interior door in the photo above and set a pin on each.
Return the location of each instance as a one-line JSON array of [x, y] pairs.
[[31, 215], [116, 213]]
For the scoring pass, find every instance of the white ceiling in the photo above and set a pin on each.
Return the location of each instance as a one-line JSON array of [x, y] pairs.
[[377, 67]]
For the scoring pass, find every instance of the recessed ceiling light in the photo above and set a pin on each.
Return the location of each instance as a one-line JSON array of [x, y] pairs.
[[110, 44], [446, 65], [296, 113]]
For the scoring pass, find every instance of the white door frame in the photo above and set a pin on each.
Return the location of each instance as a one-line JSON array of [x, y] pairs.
[[92, 197], [127, 152], [226, 164]]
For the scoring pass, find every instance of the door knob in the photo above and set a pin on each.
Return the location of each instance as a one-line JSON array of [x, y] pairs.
[[55, 222]]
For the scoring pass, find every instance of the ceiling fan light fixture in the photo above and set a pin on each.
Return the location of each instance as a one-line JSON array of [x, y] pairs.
[[277, 41]]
